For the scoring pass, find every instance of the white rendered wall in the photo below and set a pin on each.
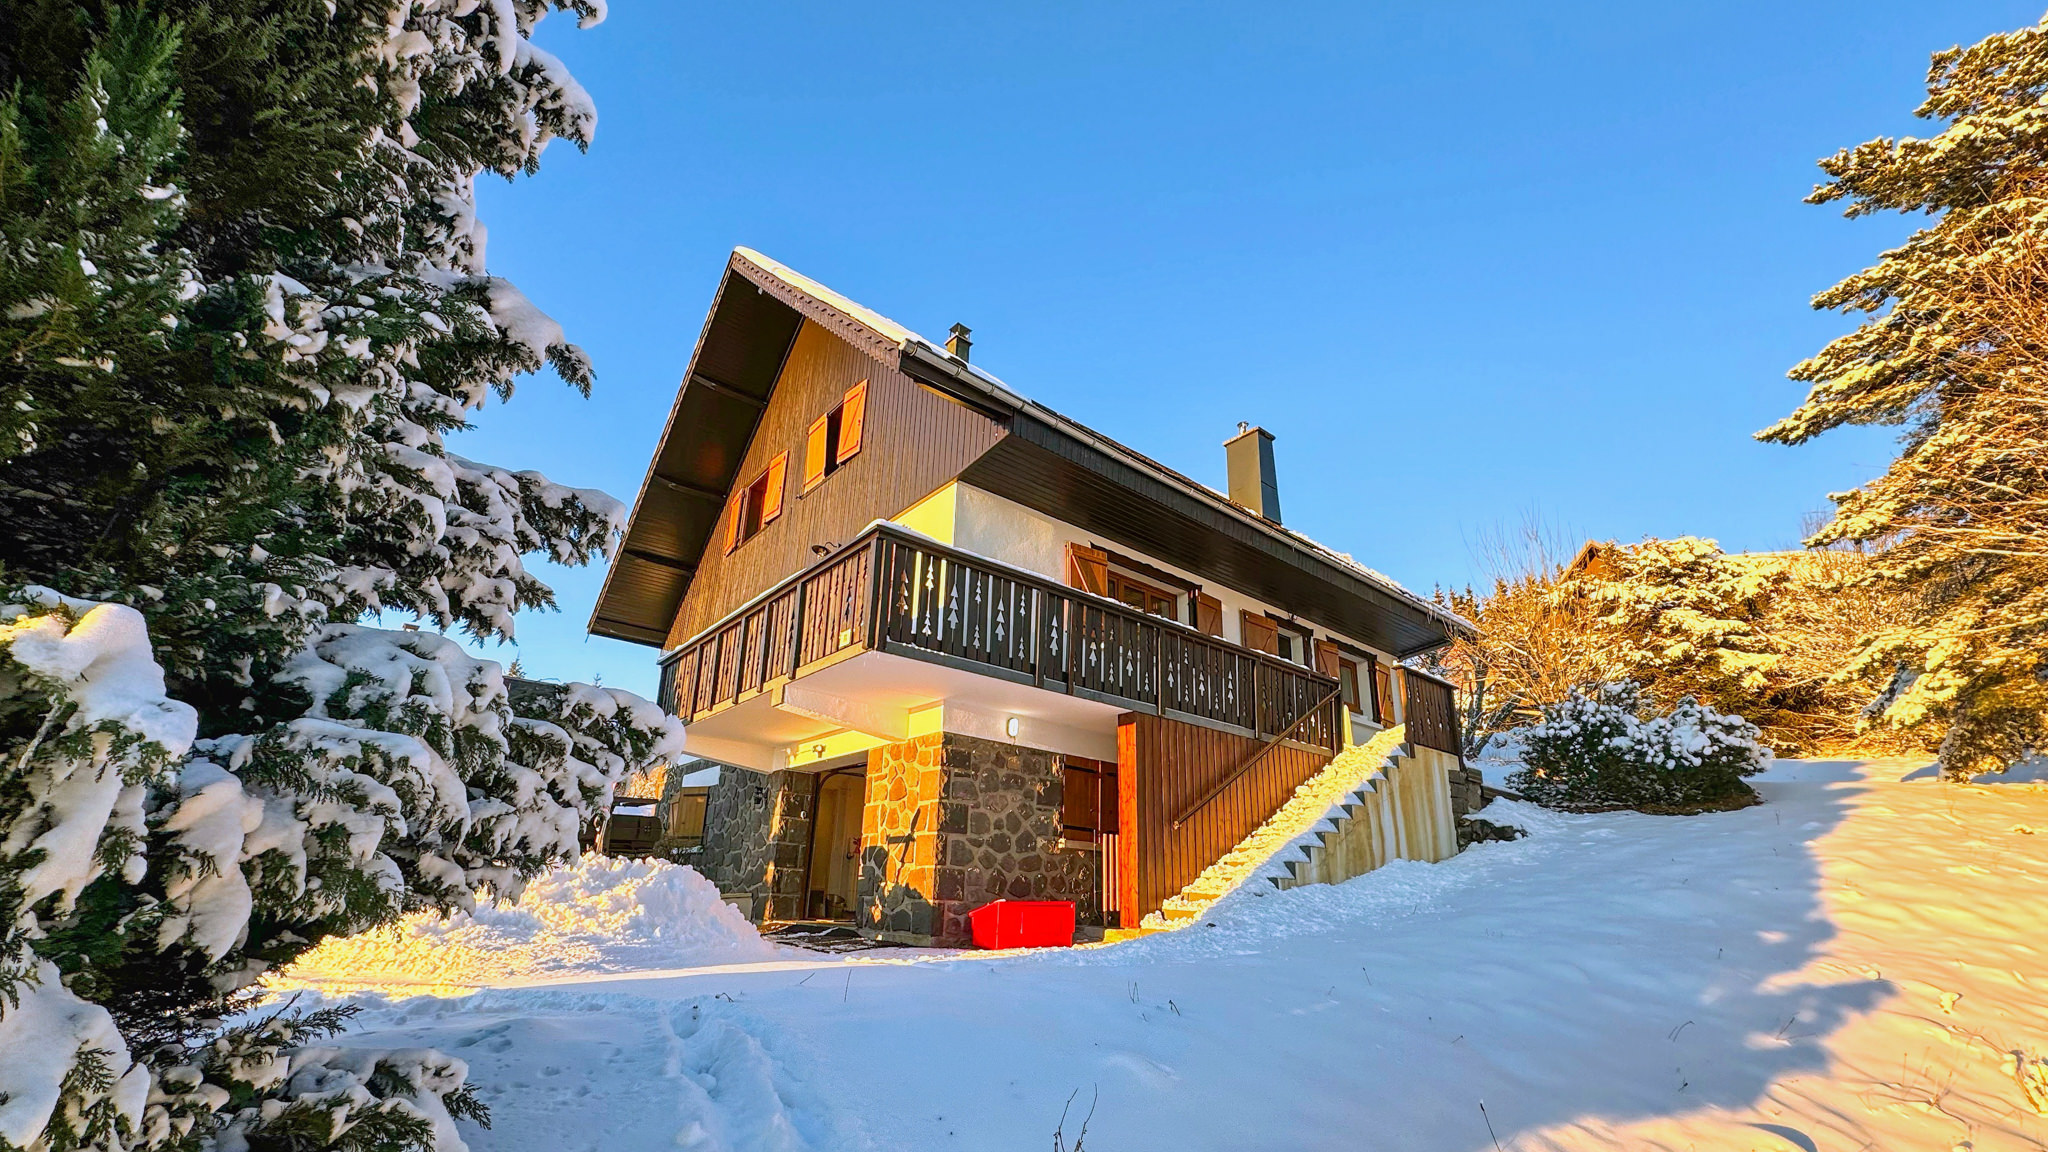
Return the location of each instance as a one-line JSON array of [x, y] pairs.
[[979, 521]]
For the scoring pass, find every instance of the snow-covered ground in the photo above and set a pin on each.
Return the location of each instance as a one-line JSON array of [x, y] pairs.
[[600, 916], [1857, 964]]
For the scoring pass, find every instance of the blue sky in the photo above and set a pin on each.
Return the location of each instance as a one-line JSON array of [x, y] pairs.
[[1471, 264]]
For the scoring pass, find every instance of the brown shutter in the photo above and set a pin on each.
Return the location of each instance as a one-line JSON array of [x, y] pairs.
[[1326, 657], [814, 454], [771, 499], [1088, 569], [1208, 614], [851, 414], [1259, 632]]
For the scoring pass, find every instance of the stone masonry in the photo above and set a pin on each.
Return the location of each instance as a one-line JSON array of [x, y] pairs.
[[757, 839], [953, 822]]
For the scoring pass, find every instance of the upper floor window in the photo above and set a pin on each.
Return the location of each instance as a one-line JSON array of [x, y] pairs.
[[758, 504], [1088, 569], [1142, 596], [1347, 681], [834, 438]]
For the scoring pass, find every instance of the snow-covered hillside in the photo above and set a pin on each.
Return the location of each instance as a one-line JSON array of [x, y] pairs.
[[1856, 964]]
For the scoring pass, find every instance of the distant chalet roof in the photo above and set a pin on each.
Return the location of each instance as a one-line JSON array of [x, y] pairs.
[[755, 316]]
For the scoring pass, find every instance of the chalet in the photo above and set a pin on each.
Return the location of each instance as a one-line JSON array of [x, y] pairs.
[[952, 646]]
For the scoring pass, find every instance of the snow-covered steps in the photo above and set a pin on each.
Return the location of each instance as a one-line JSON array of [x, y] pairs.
[[1403, 812], [1310, 807]]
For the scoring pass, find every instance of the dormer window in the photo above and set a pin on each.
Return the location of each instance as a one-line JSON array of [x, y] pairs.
[[834, 438]]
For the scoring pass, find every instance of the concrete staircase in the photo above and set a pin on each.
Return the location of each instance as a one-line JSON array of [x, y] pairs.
[[1339, 793]]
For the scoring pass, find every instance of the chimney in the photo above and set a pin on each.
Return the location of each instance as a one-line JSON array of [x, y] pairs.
[[1253, 483], [958, 344]]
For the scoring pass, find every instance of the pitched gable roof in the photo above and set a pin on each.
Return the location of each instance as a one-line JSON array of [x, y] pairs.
[[753, 321]]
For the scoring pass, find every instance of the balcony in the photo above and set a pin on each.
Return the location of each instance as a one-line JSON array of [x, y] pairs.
[[895, 593]]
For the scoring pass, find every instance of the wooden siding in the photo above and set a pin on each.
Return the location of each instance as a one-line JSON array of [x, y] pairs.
[[1164, 765], [913, 440]]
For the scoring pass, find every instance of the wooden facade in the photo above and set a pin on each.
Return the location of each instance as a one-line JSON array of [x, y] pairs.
[[1164, 767], [913, 440]]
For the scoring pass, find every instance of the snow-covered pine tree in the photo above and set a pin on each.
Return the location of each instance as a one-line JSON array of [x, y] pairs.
[[1679, 617], [1955, 349], [243, 303]]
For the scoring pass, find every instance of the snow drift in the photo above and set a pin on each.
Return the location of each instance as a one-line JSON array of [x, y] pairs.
[[597, 916]]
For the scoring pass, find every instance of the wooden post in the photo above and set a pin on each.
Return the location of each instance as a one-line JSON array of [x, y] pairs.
[[1128, 821]]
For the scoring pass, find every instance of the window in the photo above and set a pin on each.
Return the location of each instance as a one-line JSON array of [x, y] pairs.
[[1292, 647], [1142, 596], [1347, 679], [835, 437], [758, 504]]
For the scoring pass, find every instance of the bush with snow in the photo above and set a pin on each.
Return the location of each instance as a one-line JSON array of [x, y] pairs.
[[1600, 751]]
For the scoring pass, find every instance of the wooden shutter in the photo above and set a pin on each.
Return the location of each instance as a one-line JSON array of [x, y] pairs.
[[1259, 632], [738, 508], [852, 413], [1382, 693], [1208, 614], [1080, 803], [1326, 657], [771, 497], [1088, 569], [814, 453]]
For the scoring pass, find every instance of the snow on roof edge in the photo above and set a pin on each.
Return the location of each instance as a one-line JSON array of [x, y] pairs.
[[902, 335]]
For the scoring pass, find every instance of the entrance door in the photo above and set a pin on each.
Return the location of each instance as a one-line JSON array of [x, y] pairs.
[[835, 844]]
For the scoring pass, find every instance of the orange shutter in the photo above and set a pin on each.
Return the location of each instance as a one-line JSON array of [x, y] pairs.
[[1088, 569], [851, 415], [814, 454], [1326, 656], [1208, 614], [738, 510], [1259, 633], [771, 498]]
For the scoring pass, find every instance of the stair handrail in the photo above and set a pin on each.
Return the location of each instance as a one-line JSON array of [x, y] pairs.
[[1251, 761]]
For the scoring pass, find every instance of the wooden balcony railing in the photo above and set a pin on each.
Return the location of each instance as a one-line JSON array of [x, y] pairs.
[[890, 591], [1429, 711]]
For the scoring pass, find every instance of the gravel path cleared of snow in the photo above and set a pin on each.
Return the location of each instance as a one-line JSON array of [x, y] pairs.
[[599, 915], [1855, 964]]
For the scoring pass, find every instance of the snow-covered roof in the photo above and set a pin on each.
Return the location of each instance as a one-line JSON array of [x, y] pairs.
[[904, 338]]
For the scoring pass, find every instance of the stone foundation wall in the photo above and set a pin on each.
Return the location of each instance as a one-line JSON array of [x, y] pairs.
[[1465, 792], [953, 822], [757, 839], [1467, 796]]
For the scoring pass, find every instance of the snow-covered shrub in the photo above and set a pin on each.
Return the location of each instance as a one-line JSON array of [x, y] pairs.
[[1599, 751]]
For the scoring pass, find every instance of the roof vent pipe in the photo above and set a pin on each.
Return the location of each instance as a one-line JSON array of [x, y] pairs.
[[1253, 482], [958, 344]]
